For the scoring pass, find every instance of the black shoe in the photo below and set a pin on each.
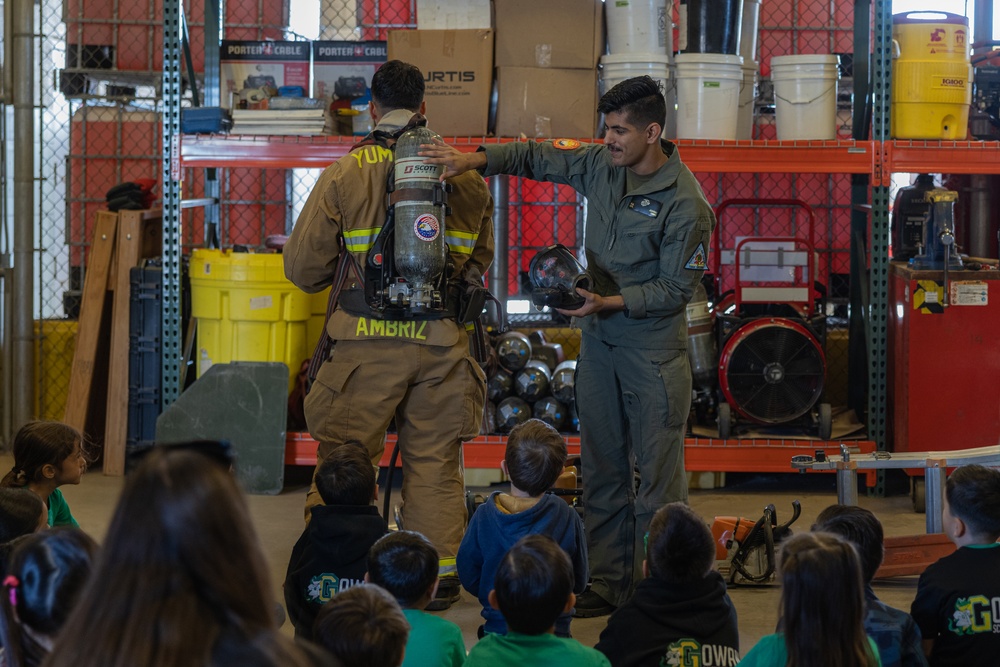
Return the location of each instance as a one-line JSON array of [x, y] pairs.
[[449, 591], [589, 605]]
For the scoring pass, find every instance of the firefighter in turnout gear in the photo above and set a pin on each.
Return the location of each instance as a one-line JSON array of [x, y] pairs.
[[415, 367]]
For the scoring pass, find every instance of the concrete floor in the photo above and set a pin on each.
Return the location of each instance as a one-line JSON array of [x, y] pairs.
[[278, 522]]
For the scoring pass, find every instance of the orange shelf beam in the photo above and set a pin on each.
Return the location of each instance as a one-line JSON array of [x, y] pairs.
[[700, 155], [283, 152], [700, 454], [947, 157], [779, 157]]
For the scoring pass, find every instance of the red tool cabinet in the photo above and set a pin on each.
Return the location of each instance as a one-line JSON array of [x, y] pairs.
[[944, 385]]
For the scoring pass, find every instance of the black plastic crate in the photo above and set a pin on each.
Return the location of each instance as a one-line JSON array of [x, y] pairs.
[[145, 347]]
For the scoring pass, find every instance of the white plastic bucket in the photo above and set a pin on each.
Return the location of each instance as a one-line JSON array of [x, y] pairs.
[[616, 68], [748, 30], [805, 96], [748, 93], [708, 93], [638, 26]]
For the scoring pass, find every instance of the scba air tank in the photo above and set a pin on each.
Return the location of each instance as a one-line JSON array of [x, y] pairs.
[[420, 203]]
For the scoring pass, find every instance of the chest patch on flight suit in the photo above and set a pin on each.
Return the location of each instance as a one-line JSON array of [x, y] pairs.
[[645, 206], [697, 261]]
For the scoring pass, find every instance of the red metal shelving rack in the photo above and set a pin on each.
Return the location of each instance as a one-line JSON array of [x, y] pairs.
[[715, 156]]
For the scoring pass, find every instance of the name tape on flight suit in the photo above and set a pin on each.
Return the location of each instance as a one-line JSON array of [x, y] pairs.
[[645, 206]]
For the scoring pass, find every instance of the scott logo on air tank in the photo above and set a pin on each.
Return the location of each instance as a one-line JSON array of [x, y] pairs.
[[426, 227]]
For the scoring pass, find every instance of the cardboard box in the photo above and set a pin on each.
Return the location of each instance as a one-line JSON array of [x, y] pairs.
[[458, 71], [250, 65], [454, 15], [546, 102], [344, 70], [552, 33]]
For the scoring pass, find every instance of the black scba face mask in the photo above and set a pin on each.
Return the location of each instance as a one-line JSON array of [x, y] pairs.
[[555, 273]]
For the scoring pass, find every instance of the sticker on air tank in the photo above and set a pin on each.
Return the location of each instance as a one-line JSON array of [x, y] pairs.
[[413, 170], [426, 227]]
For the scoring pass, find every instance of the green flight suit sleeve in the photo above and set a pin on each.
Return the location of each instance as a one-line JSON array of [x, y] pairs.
[[541, 161], [683, 253]]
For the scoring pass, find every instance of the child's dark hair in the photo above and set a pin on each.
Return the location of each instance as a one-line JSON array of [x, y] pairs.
[[347, 476], [363, 627], [398, 85], [859, 527], [37, 444], [405, 563], [532, 583], [535, 455], [680, 547], [974, 497], [20, 511], [822, 605], [44, 578], [639, 98]]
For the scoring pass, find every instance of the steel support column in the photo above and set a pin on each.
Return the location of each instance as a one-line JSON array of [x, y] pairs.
[[878, 246], [23, 315], [499, 272], [171, 324]]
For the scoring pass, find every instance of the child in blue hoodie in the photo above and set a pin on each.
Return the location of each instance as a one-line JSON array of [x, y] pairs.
[[534, 458]]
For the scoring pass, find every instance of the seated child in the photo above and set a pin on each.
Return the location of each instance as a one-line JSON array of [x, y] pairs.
[[822, 608], [534, 459], [47, 572], [405, 563], [958, 596], [533, 587], [895, 633], [680, 613], [22, 512], [363, 627], [47, 455], [331, 554]]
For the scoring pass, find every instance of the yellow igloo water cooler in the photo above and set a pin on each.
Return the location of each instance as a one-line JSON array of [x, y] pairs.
[[248, 311], [931, 76]]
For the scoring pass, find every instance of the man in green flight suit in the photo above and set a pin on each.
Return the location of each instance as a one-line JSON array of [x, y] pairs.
[[647, 238]]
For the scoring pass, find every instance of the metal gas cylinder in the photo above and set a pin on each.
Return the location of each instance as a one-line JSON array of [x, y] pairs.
[[703, 353], [420, 204]]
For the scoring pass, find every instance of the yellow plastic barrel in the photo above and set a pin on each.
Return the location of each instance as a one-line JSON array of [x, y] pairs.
[[248, 311], [55, 342], [931, 76]]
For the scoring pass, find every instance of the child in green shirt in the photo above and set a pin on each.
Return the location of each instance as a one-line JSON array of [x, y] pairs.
[[405, 563], [47, 455], [532, 587]]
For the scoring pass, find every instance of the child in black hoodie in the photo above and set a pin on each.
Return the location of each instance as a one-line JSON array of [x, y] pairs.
[[332, 554], [680, 613]]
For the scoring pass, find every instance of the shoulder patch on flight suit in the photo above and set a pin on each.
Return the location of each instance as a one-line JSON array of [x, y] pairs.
[[565, 144], [643, 205], [697, 261]]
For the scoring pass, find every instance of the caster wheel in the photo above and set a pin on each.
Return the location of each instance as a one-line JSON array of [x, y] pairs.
[[918, 493], [825, 421], [725, 418]]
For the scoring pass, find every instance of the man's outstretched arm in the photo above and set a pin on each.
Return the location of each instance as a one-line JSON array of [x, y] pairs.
[[455, 161]]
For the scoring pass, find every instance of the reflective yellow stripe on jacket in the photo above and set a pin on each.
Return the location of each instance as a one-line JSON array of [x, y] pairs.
[[460, 242], [361, 240]]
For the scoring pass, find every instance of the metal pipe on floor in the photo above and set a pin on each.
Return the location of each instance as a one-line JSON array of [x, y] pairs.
[[22, 64]]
